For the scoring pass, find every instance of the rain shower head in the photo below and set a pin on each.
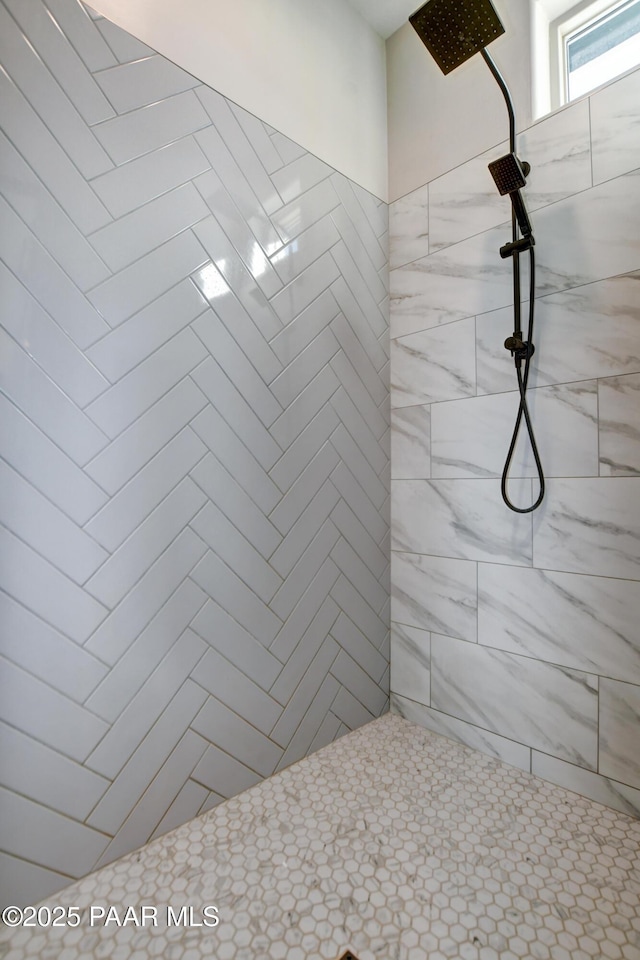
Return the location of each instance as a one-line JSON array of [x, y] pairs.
[[454, 30]]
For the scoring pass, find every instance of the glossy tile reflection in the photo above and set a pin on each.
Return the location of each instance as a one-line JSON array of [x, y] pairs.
[[195, 448]]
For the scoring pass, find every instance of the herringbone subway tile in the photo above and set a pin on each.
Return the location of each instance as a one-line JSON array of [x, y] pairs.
[[193, 441]]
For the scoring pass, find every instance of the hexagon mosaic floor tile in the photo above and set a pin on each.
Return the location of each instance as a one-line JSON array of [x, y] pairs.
[[392, 843]]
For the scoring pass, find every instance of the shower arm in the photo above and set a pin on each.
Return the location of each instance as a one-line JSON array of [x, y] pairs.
[[490, 62]]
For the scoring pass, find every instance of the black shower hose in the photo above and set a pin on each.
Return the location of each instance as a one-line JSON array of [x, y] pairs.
[[523, 409]]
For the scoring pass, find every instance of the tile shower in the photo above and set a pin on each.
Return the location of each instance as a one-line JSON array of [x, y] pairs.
[[194, 430], [391, 842], [195, 435], [519, 634]]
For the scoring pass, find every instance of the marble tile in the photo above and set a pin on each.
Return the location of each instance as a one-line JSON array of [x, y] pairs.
[[434, 593], [588, 784], [410, 442], [409, 227], [550, 708], [396, 840], [559, 151], [464, 201], [608, 309], [461, 281], [470, 438], [619, 724], [437, 364], [410, 662], [462, 518], [578, 621], [619, 409], [475, 737], [615, 128], [589, 526], [589, 236]]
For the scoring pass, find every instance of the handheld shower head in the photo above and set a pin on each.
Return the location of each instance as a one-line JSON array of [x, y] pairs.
[[509, 176], [454, 30]]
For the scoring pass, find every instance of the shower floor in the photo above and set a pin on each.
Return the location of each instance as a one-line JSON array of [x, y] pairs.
[[393, 843]]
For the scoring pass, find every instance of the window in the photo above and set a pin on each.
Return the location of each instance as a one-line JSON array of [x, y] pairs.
[[601, 49], [580, 46]]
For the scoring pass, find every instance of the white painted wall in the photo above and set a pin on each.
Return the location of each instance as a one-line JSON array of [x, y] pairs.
[[314, 71], [437, 122]]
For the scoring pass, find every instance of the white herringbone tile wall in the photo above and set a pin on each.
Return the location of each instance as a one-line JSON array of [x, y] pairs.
[[194, 440]]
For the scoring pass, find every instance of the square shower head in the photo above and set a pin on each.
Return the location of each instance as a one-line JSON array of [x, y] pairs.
[[453, 30], [508, 174]]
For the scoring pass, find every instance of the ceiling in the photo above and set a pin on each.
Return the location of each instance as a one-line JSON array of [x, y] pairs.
[[385, 16]]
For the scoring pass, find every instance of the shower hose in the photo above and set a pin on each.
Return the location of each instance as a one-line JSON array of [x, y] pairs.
[[523, 378], [521, 351]]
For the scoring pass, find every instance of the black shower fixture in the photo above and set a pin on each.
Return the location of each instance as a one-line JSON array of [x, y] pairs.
[[453, 31], [510, 176]]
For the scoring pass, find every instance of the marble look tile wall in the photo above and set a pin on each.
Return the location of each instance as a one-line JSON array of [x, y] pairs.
[[518, 634]]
